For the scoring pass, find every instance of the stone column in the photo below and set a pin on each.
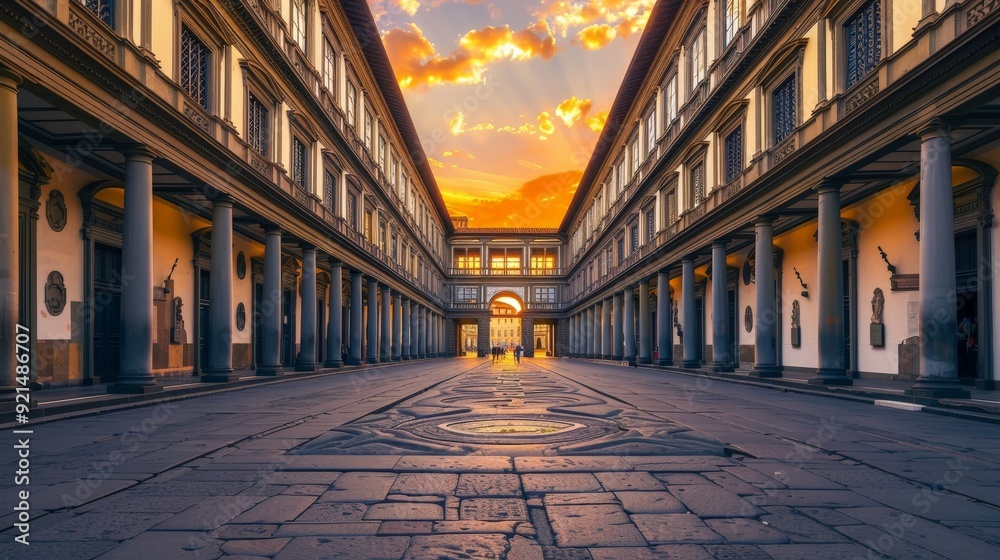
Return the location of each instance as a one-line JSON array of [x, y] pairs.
[[137, 273], [938, 317], [415, 322], [219, 365], [830, 285], [645, 342], [371, 355], [425, 334], [270, 339], [335, 328], [628, 318], [606, 330], [690, 359], [765, 316], [357, 325], [307, 330], [386, 324], [595, 331], [617, 328], [397, 327], [722, 358], [9, 237], [587, 346], [405, 329], [664, 326]]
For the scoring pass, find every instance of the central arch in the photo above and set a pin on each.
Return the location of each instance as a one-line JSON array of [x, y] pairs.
[[505, 319]]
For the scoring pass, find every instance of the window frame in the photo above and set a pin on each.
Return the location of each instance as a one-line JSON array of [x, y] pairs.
[[298, 27], [199, 35], [329, 66], [839, 20], [301, 177], [697, 36]]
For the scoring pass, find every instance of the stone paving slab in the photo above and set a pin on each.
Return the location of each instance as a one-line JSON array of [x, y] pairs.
[[404, 512], [306, 529], [488, 485], [593, 525], [471, 547], [650, 502], [439, 484], [345, 548], [660, 552], [494, 509], [675, 528], [561, 482], [708, 500]]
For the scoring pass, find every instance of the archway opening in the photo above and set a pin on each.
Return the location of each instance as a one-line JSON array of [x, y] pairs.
[[505, 321]]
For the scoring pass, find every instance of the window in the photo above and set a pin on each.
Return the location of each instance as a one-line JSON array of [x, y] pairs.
[[621, 251], [634, 150], [468, 259], [620, 176], [671, 207], [369, 234], [393, 166], [382, 237], [670, 99], [329, 67], [329, 189], [651, 132], [863, 42], [394, 245], [633, 235], [352, 210], [195, 58], [731, 22], [783, 103], [300, 163], [650, 225], [696, 60], [466, 294], [368, 131], [545, 295], [505, 261], [543, 261], [381, 153], [734, 154], [103, 9], [299, 23], [352, 104], [257, 119], [697, 183], [607, 257]]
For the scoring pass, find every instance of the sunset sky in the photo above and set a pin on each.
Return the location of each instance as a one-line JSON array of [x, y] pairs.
[[509, 96]]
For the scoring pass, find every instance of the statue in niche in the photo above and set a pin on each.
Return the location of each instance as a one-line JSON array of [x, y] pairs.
[[55, 210], [796, 312], [177, 334], [878, 303], [55, 293]]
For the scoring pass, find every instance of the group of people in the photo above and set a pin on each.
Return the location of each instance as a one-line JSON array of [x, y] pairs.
[[499, 353]]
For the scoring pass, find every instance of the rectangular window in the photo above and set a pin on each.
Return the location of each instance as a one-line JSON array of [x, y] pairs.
[[633, 234], [466, 294], [382, 237], [543, 261], [508, 261], [329, 189], [395, 247], [620, 176], [194, 65], [369, 234], [352, 104], [393, 166], [257, 117], [863, 42], [634, 150], [368, 131], [621, 251], [783, 103], [352, 211], [299, 25], [607, 258], [670, 100], [381, 153], [697, 183], [103, 9], [651, 132], [732, 21], [696, 61], [650, 225], [672, 207], [468, 259], [545, 295], [329, 67], [300, 163], [734, 154]]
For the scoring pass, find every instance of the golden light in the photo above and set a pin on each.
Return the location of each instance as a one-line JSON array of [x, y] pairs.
[[511, 301]]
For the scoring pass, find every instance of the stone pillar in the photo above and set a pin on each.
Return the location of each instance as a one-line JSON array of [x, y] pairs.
[[415, 332], [722, 355], [137, 271], [357, 325], [386, 324], [371, 344], [595, 333], [588, 332], [219, 364], [690, 359], [664, 326], [307, 318], [397, 327], [270, 339], [938, 317], [335, 328], [606, 330], [628, 318], [617, 328], [425, 334], [9, 237], [405, 329], [645, 342], [830, 285], [765, 315]]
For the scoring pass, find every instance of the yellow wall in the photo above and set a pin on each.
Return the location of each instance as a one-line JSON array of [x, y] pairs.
[[163, 35], [810, 73], [905, 16], [800, 249]]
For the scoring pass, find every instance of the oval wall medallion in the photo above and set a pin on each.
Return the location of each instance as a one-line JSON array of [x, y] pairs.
[[241, 317], [241, 265], [55, 293], [55, 210], [748, 319], [746, 273]]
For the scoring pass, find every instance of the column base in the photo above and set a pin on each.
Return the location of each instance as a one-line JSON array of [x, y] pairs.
[[616, 358], [333, 364], [371, 360], [127, 389], [831, 377], [305, 366], [665, 362], [353, 362], [932, 388], [219, 376], [722, 367], [645, 361], [765, 371], [270, 371], [690, 364], [397, 359]]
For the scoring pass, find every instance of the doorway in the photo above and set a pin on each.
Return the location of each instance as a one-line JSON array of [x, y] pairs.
[[967, 304], [287, 320], [204, 323], [107, 311]]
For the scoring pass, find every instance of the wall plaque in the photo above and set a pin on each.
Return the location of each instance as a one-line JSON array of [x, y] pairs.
[[241, 265], [748, 319], [55, 293], [241, 317], [56, 211]]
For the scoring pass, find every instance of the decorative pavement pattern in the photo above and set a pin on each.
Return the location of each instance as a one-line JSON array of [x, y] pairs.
[[464, 459]]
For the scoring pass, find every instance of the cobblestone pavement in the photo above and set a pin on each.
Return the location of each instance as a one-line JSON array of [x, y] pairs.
[[550, 459]]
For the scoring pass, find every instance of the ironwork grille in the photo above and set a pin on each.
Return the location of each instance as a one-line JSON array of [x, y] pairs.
[[103, 9], [697, 184], [650, 225], [257, 124], [784, 109], [672, 207], [329, 189], [395, 247], [734, 154], [352, 210], [863, 35], [194, 67], [621, 250], [300, 163], [634, 238]]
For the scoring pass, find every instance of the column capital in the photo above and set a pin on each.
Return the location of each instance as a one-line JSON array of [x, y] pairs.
[[223, 200], [10, 79], [138, 152], [934, 128], [830, 184], [307, 248], [272, 229], [720, 242], [764, 220], [334, 261]]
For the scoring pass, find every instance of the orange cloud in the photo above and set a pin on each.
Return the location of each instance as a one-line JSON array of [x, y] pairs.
[[597, 22], [572, 110], [418, 65], [545, 123], [540, 202], [458, 126], [408, 6], [596, 123], [458, 153], [595, 36]]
